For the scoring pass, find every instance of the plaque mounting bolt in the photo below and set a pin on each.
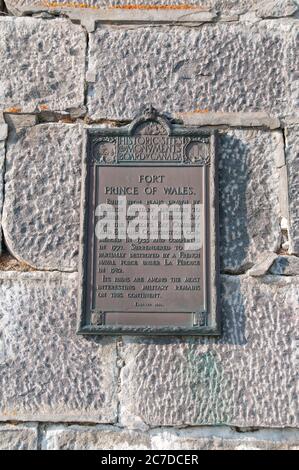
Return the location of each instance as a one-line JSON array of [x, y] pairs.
[[200, 319]]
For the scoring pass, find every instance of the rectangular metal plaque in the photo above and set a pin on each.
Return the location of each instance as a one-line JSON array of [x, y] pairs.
[[149, 230]]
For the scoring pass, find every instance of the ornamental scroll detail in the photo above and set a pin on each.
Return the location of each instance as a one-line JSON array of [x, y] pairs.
[[151, 141], [104, 151], [196, 151]]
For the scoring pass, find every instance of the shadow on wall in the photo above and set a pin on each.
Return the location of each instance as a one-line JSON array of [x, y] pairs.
[[233, 321], [233, 180], [188, 380]]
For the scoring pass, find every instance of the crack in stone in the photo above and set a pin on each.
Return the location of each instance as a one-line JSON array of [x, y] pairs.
[[154, 437], [81, 116], [284, 201], [8, 263], [92, 424]]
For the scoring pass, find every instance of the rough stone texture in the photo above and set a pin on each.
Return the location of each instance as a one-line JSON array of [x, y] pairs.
[[259, 119], [264, 9], [39, 61], [221, 67], [227, 6], [93, 438], [18, 122], [18, 437], [248, 197], [89, 18], [276, 8], [285, 265], [113, 438], [292, 160], [48, 373], [224, 439], [247, 377], [42, 195], [283, 198]]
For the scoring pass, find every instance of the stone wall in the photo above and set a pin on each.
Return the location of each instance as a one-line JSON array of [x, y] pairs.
[[231, 65]]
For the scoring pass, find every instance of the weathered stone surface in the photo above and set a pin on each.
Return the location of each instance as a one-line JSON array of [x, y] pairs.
[[183, 14], [248, 197], [258, 119], [48, 373], [220, 67], [246, 377], [283, 192], [39, 60], [285, 265], [205, 438], [224, 439], [42, 195], [18, 122], [19, 437], [290, 121], [276, 8], [292, 160], [227, 6], [263, 265], [93, 438]]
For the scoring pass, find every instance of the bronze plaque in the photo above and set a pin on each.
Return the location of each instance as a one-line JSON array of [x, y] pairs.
[[149, 230]]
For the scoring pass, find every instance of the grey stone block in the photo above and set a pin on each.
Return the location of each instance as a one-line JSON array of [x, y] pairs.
[[18, 437], [216, 68], [133, 14], [290, 121], [205, 438], [276, 8], [48, 373], [246, 377], [248, 197], [258, 119], [292, 160], [226, 6], [285, 265], [39, 59], [42, 195], [93, 438], [283, 192]]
